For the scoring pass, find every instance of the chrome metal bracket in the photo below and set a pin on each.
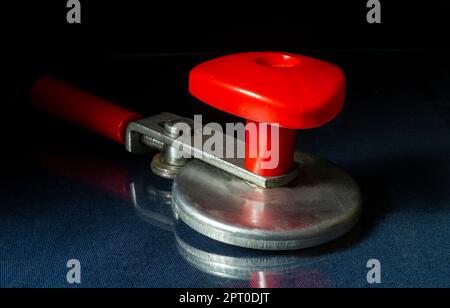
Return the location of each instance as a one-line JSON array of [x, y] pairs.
[[152, 132]]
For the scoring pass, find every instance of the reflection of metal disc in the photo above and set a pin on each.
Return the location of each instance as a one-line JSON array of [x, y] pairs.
[[235, 262], [322, 204], [237, 268]]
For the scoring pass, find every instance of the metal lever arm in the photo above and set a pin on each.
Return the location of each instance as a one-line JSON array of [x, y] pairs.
[[124, 126], [150, 132]]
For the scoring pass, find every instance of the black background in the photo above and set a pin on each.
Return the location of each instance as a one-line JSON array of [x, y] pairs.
[[139, 53]]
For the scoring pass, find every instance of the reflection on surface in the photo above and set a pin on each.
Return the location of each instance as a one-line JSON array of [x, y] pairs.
[[249, 268], [152, 205], [233, 266]]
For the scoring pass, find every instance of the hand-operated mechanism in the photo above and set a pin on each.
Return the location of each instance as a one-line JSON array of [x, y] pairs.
[[301, 201]]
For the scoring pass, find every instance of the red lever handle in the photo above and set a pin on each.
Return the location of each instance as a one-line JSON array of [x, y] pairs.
[[84, 109]]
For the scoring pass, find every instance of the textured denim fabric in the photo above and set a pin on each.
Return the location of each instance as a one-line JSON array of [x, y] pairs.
[[396, 146]]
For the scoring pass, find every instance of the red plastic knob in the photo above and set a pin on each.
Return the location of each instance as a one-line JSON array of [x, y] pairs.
[[291, 90]]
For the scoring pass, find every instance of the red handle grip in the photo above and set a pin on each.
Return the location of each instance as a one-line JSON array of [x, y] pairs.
[[84, 109]]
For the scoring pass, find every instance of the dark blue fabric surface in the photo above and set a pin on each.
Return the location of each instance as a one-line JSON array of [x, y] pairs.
[[396, 143]]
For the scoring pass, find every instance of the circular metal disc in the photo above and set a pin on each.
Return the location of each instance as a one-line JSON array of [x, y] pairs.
[[322, 204]]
